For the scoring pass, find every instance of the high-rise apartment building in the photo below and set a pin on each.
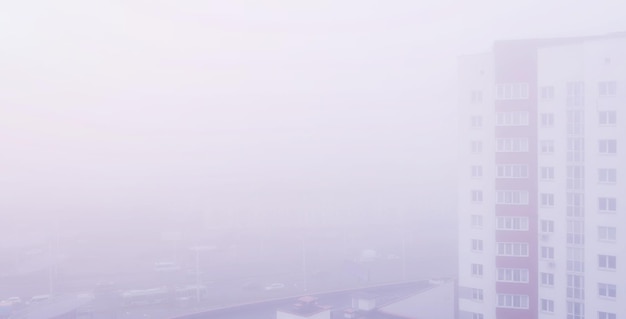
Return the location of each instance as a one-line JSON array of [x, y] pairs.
[[542, 178]]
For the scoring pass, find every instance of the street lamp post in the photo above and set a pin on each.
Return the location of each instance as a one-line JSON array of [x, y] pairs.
[[53, 251], [197, 275], [404, 256], [304, 264], [197, 250]]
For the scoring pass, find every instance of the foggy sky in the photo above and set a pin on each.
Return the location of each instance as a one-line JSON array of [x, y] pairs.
[[136, 108]]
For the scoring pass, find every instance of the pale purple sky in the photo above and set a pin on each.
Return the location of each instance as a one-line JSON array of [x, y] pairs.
[[142, 107]]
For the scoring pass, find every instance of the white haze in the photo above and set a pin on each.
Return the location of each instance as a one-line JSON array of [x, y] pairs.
[[128, 112]]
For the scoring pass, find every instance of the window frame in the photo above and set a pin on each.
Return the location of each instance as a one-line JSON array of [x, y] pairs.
[[513, 275], [478, 294], [607, 233], [546, 279], [477, 270], [512, 145], [512, 197], [509, 301], [477, 196], [546, 120], [476, 171], [607, 118], [512, 249], [546, 147], [607, 146], [512, 223], [546, 92], [607, 205], [607, 175], [546, 173], [477, 245], [476, 221], [607, 89], [512, 171], [512, 118], [546, 305], [607, 262], [546, 226], [546, 200]]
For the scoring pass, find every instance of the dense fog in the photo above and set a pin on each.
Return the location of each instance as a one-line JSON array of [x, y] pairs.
[[240, 143]]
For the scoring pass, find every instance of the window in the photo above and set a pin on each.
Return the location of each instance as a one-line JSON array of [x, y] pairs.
[[476, 315], [607, 175], [547, 200], [477, 270], [607, 146], [516, 118], [547, 253], [477, 245], [512, 223], [606, 315], [477, 221], [547, 120], [575, 94], [477, 294], [607, 88], [513, 249], [575, 286], [512, 171], [607, 290], [575, 262], [476, 122], [607, 262], [477, 196], [512, 275], [515, 144], [476, 96], [575, 232], [476, 147], [607, 118], [547, 305], [546, 92], [607, 204], [574, 204], [607, 233], [547, 279], [509, 197], [546, 173], [547, 226], [512, 91], [575, 150], [513, 301], [477, 171], [546, 147], [575, 289]]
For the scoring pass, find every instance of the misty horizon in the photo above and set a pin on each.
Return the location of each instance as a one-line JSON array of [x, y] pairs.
[[146, 129]]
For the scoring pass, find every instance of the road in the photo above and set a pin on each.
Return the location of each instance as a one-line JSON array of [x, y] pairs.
[[337, 301], [227, 270]]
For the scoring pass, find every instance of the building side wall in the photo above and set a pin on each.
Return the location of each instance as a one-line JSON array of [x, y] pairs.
[[476, 290]]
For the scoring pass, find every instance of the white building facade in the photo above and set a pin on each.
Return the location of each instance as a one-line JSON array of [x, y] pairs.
[[542, 180]]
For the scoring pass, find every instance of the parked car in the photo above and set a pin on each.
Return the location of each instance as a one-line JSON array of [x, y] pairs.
[[105, 287], [139, 297], [39, 299], [166, 266], [251, 285], [16, 301], [275, 286]]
